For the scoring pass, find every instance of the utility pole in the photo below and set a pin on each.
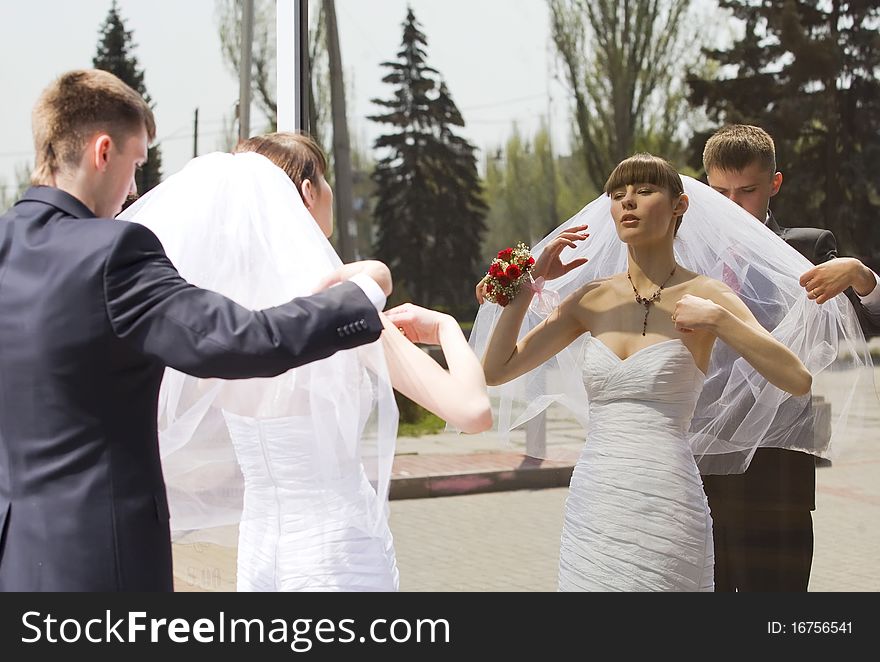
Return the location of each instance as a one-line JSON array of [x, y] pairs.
[[244, 70], [343, 194], [196, 134]]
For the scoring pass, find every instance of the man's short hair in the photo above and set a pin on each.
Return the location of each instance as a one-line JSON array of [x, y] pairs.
[[735, 147], [74, 107]]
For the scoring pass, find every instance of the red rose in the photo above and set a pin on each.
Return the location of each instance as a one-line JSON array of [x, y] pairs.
[[495, 270], [531, 260], [506, 254], [513, 272], [490, 287], [502, 300], [503, 280]]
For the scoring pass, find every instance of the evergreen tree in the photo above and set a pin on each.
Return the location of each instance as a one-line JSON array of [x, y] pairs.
[[115, 55], [807, 72], [429, 211]]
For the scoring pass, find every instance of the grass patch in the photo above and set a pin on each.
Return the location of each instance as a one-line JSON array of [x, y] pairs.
[[416, 421], [428, 424]]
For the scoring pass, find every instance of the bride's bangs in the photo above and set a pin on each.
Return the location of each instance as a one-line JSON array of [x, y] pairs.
[[645, 169]]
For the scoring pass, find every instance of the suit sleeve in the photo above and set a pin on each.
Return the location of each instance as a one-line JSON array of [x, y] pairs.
[[825, 248], [204, 334]]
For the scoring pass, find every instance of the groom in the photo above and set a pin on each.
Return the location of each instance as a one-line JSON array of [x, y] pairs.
[[762, 521], [91, 313]]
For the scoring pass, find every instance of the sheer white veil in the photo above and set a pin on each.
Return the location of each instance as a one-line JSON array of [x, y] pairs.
[[235, 224], [738, 409]]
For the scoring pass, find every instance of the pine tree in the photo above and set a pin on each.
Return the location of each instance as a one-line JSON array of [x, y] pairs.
[[808, 73], [115, 55], [429, 211]]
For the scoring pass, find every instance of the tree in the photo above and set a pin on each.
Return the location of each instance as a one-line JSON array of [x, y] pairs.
[[623, 63], [327, 121], [263, 56], [114, 54], [530, 191], [10, 193], [429, 210], [807, 72]]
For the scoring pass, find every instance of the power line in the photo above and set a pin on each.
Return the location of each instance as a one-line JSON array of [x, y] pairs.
[[507, 101]]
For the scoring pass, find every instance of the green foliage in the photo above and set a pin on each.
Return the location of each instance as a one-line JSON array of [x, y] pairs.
[[429, 424], [415, 420], [429, 210], [10, 193], [807, 72], [115, 54], [263, 56], [530, 191], [623, 62]]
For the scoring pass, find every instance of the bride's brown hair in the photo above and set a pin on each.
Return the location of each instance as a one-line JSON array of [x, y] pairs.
[[297, 154], [644, 168]]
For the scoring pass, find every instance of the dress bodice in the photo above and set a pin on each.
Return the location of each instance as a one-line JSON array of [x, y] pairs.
[[285, 453], [658, 385]]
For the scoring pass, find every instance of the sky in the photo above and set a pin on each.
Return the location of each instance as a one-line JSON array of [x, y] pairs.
[[494, 55]]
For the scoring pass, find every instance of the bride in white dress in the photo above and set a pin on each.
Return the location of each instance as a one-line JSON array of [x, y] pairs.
[[301, 462], [636, 518]]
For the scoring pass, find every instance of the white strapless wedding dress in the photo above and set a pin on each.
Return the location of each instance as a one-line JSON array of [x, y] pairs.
[[301, 531], [636, 517]]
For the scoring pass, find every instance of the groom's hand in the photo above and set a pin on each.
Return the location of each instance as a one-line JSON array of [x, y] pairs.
[[825, 281], [376, 270]]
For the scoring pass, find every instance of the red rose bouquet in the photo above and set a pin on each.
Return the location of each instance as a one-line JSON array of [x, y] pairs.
[[506, 274]]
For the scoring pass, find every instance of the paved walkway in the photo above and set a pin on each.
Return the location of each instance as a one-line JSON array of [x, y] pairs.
[[491, 529]]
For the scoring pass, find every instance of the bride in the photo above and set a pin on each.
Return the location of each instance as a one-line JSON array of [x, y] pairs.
[[636, 517], [300, 462]]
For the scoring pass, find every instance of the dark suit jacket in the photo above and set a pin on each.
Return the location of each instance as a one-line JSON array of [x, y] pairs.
[[780, 479], [818, 246], [91, 313]]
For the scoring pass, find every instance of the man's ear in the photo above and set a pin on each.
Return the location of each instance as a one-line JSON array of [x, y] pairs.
[[777, 182], [100, 149], [308, 193]]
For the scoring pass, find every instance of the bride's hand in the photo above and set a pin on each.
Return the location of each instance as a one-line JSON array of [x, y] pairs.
[[692, 313], [549, 264], [481, 290], [420, 325], [376, 270]]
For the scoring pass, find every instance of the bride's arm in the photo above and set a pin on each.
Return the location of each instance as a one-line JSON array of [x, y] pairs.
[[727, 317], [507, 359], [457, 396]]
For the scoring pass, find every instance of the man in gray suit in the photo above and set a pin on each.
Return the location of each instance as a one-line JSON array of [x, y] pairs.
[[91, 313], [762, 521]]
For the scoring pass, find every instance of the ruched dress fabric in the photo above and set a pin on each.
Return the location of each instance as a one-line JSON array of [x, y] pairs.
[[636, 517], [301, 530]]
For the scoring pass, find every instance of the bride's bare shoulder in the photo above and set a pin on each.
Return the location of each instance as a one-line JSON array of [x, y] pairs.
[[594, 290], [709, 288]]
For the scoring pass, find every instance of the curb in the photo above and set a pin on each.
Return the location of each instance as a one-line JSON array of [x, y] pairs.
[[530, 474]]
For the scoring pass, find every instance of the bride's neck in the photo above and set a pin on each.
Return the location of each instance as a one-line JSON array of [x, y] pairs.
[[650, 266]]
